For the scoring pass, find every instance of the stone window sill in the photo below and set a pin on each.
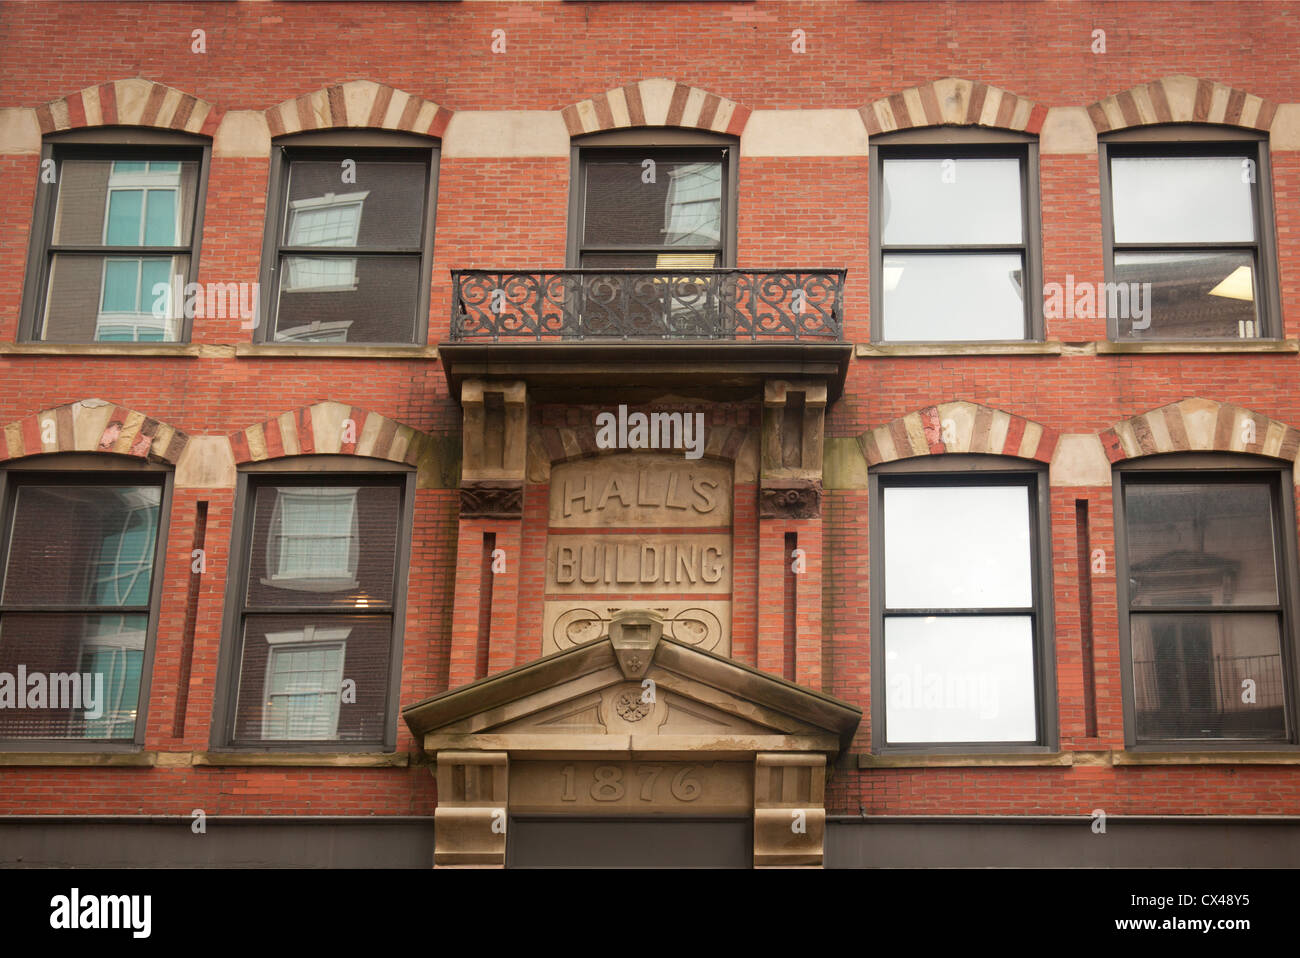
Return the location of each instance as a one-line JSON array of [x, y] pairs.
[[1201, 346], [357, 351], [972, 760], [1241, 757], [112, 349], [1017, 348], [55, 759], [302, 759]]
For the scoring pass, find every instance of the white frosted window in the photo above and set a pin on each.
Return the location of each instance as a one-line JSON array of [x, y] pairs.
[[1182, 199], [957, 547], [959, 679]]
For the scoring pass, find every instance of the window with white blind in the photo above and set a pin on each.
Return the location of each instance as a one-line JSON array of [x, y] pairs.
[[319, 592]]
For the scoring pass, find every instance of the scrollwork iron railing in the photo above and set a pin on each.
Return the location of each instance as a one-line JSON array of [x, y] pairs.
[[646, 305]]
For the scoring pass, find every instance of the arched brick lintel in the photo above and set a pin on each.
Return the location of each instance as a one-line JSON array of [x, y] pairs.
[[130, 102], [958, 427], [1181, 99], [358, 103], [1195, 424], [952, 101], [93, 425], [330, 428], [655, 102]]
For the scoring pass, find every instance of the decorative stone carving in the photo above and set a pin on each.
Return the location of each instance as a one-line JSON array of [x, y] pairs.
[[703, 625], [629, 704], [491, 500], [790, 499]]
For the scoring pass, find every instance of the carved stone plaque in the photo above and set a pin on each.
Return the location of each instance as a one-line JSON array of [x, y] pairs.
[[640, 530], [619, 787], [641, 489]]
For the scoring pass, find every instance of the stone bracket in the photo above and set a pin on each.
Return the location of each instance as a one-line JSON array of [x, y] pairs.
[[495, 430], [794, 425], [472, 813], [789, 810]]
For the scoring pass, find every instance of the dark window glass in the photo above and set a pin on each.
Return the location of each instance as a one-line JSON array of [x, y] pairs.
[[76, 603], [1185, 246], [317, 626], [121, 242], [351, 251], [1201, 295], [953, 248], [1205, 611], [960, 622], [663, 210], [654, 209]]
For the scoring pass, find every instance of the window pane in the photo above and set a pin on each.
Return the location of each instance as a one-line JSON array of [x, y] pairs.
[[944, 297], [1199, 295], [957, 547], [1200, 544], [114, 298], [1182, 199], [121, 286], [682, 207], [323, 546], [384, 208], [103, 202], [650, 260], [348, 299], [82, 545], [124, 207], [292, 673], [80, 675], [959, 679], [1188, 675], [951, 202], [160, 224]]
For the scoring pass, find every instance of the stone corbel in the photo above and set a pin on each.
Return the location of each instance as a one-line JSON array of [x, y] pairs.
[[789, 810], [470, 820], [495, 449], [794, 421]]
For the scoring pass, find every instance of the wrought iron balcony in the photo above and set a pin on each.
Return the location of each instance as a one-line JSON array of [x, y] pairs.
[[648, 305]]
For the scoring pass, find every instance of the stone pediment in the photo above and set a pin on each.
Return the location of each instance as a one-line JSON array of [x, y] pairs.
[[633, 694]]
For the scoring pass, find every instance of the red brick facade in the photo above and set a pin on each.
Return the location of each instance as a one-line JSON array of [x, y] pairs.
[[417, 68]]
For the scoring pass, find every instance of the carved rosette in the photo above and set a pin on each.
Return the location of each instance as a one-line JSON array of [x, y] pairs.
[[790, 499], [491, 500]]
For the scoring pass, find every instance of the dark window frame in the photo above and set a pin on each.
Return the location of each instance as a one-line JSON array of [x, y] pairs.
[[1199, 468], [118, 143], [661, 144], [307, 471], [973, 470], [340, 145], [961, 142], [1189, 139], [93, 469]]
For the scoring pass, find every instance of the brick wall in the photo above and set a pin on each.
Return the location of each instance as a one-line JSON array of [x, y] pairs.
[[511, 212]]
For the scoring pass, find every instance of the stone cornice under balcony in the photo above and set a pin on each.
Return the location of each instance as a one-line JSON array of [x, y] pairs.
[[718, 369]]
